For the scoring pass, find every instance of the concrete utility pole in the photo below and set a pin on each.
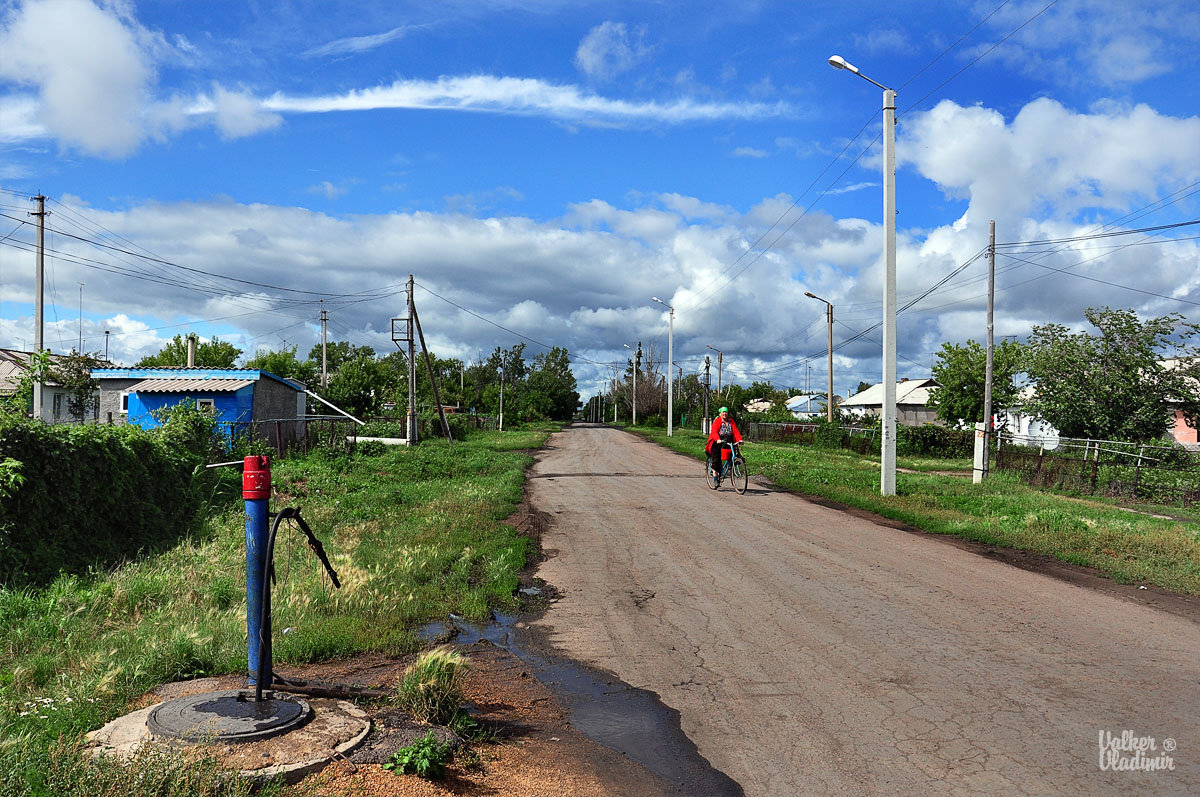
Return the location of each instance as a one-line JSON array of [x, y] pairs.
[[829, 318], [637, 362], [670, 364], [324, 361], [39, 289], [503, 367], [707, 386], [720, 357], [80, 349], [887, 458], [411, 425], [987, 379]]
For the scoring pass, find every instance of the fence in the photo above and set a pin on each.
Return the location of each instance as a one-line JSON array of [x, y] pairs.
[[1136, 471], [296, 435], [858, 439]]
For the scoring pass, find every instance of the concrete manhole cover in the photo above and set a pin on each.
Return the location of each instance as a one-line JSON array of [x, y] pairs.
[[231, 716]]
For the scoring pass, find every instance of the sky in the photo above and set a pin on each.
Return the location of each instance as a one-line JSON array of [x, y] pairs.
[[544, 167]]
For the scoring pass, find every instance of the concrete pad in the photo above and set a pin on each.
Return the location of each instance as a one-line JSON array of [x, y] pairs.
[[336, 729]]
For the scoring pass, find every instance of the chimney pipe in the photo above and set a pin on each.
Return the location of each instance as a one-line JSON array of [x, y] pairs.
[[191, 361]]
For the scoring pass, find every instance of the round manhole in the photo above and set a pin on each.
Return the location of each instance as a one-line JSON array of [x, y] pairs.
[[232, 715]]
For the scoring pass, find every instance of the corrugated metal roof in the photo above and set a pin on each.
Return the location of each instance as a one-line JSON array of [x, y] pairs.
[[910, 391], [190, 385]]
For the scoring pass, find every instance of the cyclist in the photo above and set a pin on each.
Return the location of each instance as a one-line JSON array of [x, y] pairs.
[[723, 432]]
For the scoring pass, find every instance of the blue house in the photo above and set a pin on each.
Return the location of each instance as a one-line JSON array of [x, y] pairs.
[[242, 399]]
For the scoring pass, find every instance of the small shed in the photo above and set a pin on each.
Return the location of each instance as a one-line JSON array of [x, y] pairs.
[[243, 400]]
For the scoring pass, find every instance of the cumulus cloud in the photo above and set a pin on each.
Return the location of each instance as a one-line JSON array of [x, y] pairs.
[[610, 49], [237, 114], [749, 152], [87, 68]]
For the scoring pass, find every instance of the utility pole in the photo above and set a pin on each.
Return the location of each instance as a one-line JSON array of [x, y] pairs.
[[987, 379], [80, 349], [637, 366], [39, 289], [503, 366], [707, 385], [324, 361], [412, 368]]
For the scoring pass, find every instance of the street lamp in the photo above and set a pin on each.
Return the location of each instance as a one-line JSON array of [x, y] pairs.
[[636, 363], [670, 363], [720, 357], [887, 464], [829, 317]]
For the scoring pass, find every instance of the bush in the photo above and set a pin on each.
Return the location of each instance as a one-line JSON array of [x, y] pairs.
[[829, 435], [931, 440], [91, 496]]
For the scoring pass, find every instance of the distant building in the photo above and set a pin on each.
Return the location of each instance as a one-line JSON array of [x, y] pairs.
[[14, 365], [912, 402]]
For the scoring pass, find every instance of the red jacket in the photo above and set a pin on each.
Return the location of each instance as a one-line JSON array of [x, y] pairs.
[[715, 430]]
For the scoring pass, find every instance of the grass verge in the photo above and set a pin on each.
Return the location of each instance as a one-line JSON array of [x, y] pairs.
[[1125, 546], [414, 534]]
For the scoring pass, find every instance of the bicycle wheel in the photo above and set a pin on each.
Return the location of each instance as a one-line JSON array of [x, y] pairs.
[[740, 475], [713, 481]]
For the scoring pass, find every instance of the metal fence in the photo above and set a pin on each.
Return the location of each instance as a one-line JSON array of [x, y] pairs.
[[1134, 471], [853, 437], [296, 435]]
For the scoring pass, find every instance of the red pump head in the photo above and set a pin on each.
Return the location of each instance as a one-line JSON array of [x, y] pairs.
[[256, 478]]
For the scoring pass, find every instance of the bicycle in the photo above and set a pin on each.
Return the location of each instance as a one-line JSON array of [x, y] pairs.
[[734, 468]]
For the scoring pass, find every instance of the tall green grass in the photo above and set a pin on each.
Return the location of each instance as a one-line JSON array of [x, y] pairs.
[[414, 534], [1126, 546]]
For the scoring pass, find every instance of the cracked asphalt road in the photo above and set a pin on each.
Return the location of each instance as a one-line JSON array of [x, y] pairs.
[[809, 651]]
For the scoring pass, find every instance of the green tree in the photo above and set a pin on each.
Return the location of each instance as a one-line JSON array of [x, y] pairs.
[[337, 354], [213, 353], [20, 401], [861, 387], [73, 373], [1113, 386], [285, 363], [551, 386], [962, 373], [359, 386]]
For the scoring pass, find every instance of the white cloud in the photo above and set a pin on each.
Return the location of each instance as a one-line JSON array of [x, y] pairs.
[[749, 152], [524, 96], [610, 49], [89, 72], [1112, 42], [359, 44], [237, 114]]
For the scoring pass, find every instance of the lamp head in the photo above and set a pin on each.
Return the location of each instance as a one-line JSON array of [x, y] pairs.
[[809, 295], [837, 62]]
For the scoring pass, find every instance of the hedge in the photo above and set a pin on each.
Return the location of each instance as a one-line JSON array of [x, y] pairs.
[[88, 496]]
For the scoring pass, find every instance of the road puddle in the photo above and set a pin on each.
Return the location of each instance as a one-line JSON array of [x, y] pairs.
[[606, 710]]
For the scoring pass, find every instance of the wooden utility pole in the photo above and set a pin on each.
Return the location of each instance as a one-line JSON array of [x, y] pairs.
[[987, 379], [412, 368], [707, 386], [432, 379], [39, 289]]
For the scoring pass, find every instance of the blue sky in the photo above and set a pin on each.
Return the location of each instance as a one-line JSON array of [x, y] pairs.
[[550, 166]]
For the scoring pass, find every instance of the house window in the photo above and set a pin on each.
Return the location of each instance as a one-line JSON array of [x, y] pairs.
[[58, 405], [125, 403], [208, 406]]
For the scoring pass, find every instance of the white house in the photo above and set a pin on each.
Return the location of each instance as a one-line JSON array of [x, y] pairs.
[[912, 402]]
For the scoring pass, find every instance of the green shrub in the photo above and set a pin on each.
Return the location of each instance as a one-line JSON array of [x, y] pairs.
[[829, 435], [426, 758], [92, 496], [931, 440]]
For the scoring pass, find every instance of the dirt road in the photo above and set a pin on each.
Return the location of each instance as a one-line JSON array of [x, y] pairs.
[[812, 652]]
